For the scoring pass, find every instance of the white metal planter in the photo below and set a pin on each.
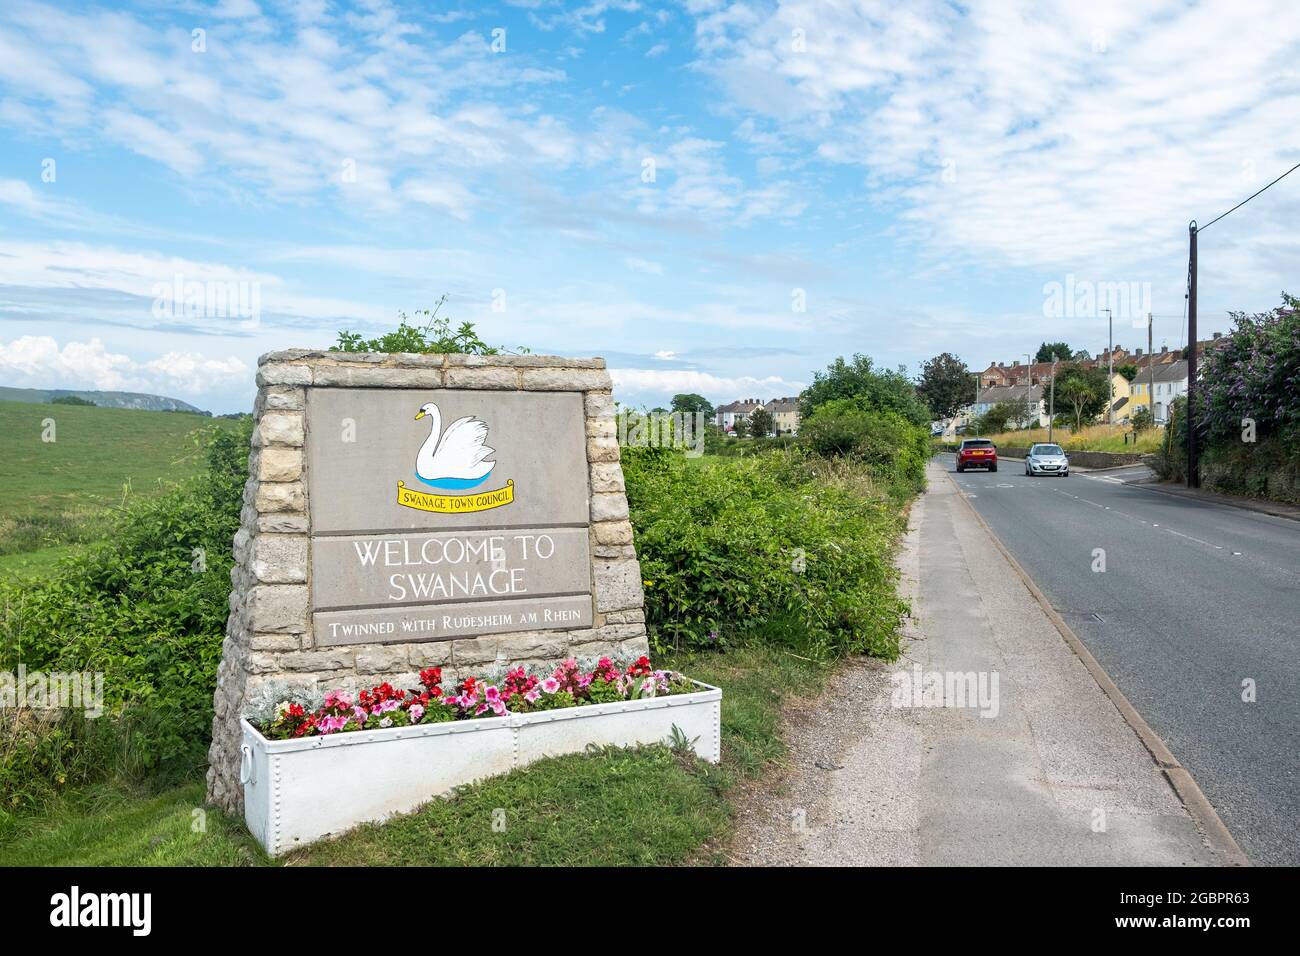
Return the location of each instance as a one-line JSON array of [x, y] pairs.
[[297, 791]]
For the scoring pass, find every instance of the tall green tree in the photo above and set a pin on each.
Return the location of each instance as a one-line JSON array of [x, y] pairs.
[[875, 389], [689, 403], [1053, 350], [946, 385], [761, 423], [1085, 391]]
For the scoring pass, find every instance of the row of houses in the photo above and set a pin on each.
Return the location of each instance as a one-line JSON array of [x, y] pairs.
[[1161, 377], [784, 412]]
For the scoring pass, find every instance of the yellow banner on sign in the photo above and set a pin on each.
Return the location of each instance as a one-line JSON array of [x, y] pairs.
[[455, 504]]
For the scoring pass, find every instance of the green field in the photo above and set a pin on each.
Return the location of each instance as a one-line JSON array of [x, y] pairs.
[[51, 492]]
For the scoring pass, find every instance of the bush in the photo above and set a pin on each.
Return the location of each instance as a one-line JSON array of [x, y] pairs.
[[783, 547], [891, 447], [147, 606]]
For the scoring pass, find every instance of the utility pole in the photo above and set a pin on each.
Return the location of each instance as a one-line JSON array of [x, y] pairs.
[[1051, 404], [1110, 367], [1193, 465]]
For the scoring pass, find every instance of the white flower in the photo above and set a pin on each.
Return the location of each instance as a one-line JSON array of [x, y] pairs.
[[386, 722]]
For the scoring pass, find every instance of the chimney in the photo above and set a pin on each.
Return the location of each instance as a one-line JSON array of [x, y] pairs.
[[1164, 349], [1016, 363], [1137, 352], [1218, 334]]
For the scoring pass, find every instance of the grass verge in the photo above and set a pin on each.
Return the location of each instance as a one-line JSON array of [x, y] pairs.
[[614, 807], [1090, 438]]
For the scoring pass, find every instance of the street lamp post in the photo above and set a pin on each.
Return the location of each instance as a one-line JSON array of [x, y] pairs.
[[1110, 367]]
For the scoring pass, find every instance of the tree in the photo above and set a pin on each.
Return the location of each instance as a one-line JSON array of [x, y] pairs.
[[1141, 419], [859, 379], [1128, 370], [741, 427], [761, 423], [71, 400], [946, 385], [1085, 391], [1053, 350], [690, 404]]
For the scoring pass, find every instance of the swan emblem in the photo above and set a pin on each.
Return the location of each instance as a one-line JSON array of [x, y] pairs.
[[456, 458]]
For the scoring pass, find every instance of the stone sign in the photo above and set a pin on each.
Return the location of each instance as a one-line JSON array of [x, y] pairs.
[[405, 511]]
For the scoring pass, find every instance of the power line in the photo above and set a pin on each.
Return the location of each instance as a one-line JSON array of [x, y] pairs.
[[1248, 198]]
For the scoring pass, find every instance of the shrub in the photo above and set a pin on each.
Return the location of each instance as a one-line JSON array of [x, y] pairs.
[[891, 447], [1253, 372], [146, 606], [783, 546]]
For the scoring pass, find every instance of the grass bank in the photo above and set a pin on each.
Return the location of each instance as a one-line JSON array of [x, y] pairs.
[[1090, 438], [651, 807]]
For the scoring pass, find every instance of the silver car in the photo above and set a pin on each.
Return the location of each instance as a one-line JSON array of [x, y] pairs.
[[1047, 460]]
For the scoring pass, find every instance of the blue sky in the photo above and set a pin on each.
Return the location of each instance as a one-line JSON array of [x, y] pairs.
[[662, 184]]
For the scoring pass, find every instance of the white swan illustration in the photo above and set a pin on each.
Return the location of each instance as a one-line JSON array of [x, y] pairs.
[[458, 460]]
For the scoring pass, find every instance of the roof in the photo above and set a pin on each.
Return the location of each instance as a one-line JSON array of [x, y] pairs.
[[1007, 393], [782, 405], [1172, 372], [748, 405]]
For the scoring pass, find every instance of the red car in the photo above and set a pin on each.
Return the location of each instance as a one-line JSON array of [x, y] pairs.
[[977, 453]]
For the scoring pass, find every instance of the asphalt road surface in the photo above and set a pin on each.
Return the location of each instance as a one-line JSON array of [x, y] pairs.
[[1197, 603]]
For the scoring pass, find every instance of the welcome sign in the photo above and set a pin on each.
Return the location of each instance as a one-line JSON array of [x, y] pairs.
[[496, 485], [410, 511]]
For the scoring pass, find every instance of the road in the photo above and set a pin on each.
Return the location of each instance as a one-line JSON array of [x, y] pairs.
[[1196, 604]]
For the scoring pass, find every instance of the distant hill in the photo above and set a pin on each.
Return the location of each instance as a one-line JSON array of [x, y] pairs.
[[139, 400]]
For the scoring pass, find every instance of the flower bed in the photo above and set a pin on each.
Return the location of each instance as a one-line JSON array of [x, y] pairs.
[[311, 772], [382, 706]]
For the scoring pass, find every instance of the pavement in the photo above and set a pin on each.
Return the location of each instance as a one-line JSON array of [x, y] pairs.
[[1195, 618], [1039, 769]]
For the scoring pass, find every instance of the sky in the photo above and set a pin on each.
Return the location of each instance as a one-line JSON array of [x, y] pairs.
[[717, 197]]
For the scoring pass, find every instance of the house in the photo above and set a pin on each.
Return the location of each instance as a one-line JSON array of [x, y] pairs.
[[986, 398], [727, 416], [995, 375], [1170, 382], [785, 415]]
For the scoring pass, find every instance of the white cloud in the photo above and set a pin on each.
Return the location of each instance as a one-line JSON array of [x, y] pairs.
[[140, 275], [646, 266], [37, 361], [664, 383], [1035, 134]]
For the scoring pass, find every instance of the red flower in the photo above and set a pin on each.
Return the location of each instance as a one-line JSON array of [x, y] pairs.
[[641, 668]]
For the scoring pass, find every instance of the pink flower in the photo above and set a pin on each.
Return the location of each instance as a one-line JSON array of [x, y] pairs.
[[550, 685], [532, 695], [416, 712]]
